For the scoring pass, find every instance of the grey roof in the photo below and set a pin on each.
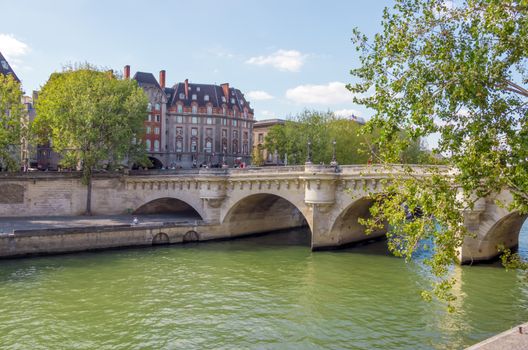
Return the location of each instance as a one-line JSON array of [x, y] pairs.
[[268, 122], [6, 69], [146, 79], [215, 93]]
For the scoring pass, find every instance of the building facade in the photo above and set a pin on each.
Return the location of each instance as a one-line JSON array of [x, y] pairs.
[[192, 125], [260, 130]]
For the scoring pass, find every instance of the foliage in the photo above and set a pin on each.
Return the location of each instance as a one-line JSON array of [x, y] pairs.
[[257, 158], [92, 118], [321, 129], [455, 71], [11, 114]]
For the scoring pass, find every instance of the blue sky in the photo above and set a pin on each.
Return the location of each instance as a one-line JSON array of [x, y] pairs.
[[284, 55]]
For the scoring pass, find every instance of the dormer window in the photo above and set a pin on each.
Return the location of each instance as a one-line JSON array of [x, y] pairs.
[[180, 108], [206, 98], [149, 107], [182, 95], [157, 106], [194, 97], [198, 89], [223, 99], [209, 110], [194, 109], [232, 100]]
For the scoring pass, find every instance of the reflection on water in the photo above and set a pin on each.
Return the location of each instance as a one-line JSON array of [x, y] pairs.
[[267, 292]]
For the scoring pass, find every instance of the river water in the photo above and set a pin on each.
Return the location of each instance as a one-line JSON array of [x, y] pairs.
[[267, 292]]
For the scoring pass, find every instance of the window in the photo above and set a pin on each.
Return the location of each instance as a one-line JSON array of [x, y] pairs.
[[148, 130], [182, 95], [209, 110], [197, 88], [209, 121], [157, 107], [158, 118], [260, 138], [245, 135], [149, 107], [194, 97], [235, 146], [194, 109], [224, 110], [232, 100], [206, 98], [179, 130], [179, 145], [224, 133], [234, 112], [194, 120], [224, 121], [194, 146], [180, 108], [245, 148], [147, 145], [245, 113], [156, 145], [223, 99], [208, 146], [209, 132], [235, 134], [194, 132], [156, 131], [234, 122], [179, 119], [149, 118]]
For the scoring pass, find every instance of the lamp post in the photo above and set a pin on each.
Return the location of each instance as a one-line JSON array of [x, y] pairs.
[[309, 153], [334, 160]]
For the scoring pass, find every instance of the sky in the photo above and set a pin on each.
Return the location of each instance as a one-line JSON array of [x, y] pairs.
[[285, 56]]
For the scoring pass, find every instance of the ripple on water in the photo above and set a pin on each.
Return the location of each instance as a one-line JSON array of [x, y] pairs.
[[254, 293]]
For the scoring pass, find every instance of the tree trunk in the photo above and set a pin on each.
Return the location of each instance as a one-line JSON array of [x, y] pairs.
[[89, 196]]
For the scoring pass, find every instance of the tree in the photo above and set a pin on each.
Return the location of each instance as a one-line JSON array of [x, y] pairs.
[[11, 114], [321, 129], [93, 119], [456, 71], [257, 158]]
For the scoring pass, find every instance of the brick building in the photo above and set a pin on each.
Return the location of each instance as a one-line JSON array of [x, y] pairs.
[[192, 124], [260, 130]]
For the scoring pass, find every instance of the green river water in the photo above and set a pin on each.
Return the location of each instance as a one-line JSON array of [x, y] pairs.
[[268, 292]]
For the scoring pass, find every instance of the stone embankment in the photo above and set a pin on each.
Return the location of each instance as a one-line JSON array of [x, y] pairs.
[[513, 339]]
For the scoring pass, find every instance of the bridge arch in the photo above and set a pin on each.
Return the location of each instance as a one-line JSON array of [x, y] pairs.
[[505, 231], [346, 226], [264, 212], [169, 205]]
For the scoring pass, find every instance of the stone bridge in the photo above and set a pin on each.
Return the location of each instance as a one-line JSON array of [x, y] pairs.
[[235, 202]]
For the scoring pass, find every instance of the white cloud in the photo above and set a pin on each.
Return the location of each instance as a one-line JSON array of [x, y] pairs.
[[13, 49], [284, 60], [266, 114], [332, 93], [259, 95]]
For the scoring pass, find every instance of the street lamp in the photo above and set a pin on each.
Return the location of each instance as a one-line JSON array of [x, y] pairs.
[[309, 153], [334, 160]]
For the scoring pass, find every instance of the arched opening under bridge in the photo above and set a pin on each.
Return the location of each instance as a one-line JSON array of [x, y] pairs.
[[265, 213], [169, 208]]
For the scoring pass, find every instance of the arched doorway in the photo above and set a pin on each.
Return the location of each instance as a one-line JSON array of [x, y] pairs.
[[156, 163]]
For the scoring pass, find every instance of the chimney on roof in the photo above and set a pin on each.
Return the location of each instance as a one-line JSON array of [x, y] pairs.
[[225, 88], [186, 89], [127, 72], [162, 79]]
